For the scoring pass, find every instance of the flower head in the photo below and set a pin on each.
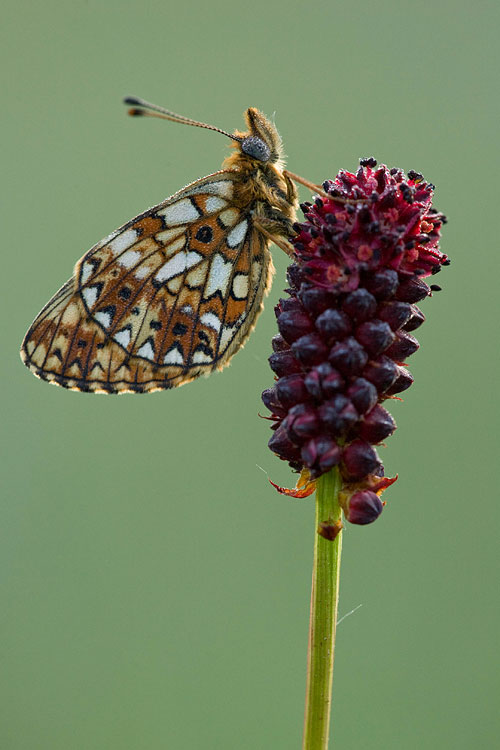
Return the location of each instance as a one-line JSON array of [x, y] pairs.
[[345, 329]]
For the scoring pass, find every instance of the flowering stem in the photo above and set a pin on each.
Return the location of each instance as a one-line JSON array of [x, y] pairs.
[[323, 619]]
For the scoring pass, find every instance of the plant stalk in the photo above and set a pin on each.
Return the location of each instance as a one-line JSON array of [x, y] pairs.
[[323, 619]]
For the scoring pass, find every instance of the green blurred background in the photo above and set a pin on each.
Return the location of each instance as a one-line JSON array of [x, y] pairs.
[[155, 587]]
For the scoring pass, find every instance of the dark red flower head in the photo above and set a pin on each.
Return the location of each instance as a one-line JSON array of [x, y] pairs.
[[345, 330]]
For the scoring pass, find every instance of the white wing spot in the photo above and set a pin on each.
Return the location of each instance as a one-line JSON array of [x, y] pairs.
[[187, 310], [173, 357], [169, 234], [103, 318], [87, 270], [71, 315], [200, 358], [172, 267], [174, 285], [123, 337], [181, 212], [240, 286], [237, 234], [197, 276], [211, 321], [177, 245], [223, 188], [229, 217], [213, 204], [178, 264], [256, 272], [146, 351], [142, 271], [220, 271], [226, 336], [90, 295], [129, 258], [123, 241], [193, 258]]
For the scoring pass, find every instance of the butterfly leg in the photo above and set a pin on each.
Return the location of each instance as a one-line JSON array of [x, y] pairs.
[[312, 187], [319, 190], [273, 230], [291, 190]]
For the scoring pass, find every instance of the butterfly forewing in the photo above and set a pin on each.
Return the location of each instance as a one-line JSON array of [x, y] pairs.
[[169, 296]]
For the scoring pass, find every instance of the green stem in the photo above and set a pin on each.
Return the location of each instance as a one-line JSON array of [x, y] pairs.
[[323, 620]]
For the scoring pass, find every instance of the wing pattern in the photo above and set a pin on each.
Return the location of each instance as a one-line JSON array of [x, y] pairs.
[[171, 295]]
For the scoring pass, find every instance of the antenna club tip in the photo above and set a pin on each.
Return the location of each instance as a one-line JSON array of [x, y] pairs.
[[131, 100], [136, 112]]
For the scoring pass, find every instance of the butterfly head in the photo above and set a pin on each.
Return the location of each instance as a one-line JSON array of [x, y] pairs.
[[256, 148], [262, 142]]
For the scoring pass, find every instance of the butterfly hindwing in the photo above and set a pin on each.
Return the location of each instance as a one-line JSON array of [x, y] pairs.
[[169, 296]]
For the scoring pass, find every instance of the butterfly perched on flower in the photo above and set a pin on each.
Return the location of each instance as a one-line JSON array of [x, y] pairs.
[[176, 291]]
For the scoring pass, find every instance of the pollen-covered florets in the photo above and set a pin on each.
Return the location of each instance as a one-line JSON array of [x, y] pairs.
[[345, 330]]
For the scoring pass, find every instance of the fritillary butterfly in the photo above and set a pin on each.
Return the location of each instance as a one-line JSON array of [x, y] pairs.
[[175, 292]]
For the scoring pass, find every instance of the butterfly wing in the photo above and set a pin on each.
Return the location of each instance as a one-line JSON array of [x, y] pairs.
[[171, 295]]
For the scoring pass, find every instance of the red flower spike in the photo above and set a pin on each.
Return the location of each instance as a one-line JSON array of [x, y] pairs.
[[346, 328]]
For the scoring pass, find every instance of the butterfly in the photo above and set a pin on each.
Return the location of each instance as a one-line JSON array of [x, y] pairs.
[[175, 292]]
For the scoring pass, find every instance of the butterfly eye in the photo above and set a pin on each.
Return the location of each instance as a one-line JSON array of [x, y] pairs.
[[256, 148]]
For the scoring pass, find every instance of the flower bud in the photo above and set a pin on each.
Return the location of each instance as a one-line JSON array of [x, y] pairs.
[[377, 425], [279, 344], [382, 372], [416, 319], [309, 349], [334, 325], [402, 382], [363, 395], [303, 423], [333, 383], [292, 325], [358, 460], [323, 381], [375, 336], [403, 347], [320, 454], [396, 314], [271, 400], [288, 304], [295, 275], [291, 390], [383, 284], [360, 305], [281, 444], [348, 356], [284, 363], [315, 299], [363, 507], [338, 415], [413, 290]]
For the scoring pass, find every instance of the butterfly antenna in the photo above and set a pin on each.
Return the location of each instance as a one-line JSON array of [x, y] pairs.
[[142, 108]]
